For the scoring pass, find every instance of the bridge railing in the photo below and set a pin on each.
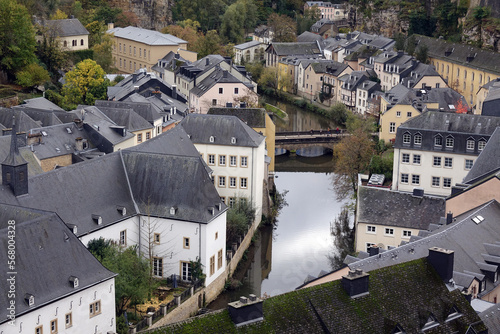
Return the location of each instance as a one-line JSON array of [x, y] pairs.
[[311, 132]]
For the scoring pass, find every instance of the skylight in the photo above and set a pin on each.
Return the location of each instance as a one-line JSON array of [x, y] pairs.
[[477, 219]]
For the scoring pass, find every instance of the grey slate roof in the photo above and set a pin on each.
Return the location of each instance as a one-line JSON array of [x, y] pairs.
[[488, 161], [218, 76], [295, 49], [23, 121], [307, 36], [67, 27], [491, 318], [392, 208], [253, 117], [201, 127], [145, 36], [329, 66], [467, 239], [144, 109], [42, 116], [41, 103], [33, 165], [459, 54], [127, 118], [247, 45], [47, 254]]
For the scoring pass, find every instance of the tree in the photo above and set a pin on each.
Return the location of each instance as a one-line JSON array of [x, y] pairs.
[[49, 52], [311, 16], [352, 155], [59, 15], [102, 53], [400, 41], [422, 53], [96, 29], [284, 28], [132, 283], [84, 84], [410, 45], [17, 37], [187, 32], [479, 14], [232, 28], [269, 78], [208, 44], [32, 75], [239, 217], [343, 236]]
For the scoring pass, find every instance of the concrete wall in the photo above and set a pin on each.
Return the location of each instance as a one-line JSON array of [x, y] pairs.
[[474, 197]]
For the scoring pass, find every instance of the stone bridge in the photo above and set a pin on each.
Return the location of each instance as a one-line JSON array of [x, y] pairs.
[[311, 143]]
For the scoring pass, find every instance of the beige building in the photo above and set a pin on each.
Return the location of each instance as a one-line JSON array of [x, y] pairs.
[[70, 34], [135, 48]]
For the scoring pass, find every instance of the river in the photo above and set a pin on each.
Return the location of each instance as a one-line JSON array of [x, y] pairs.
[[298, 245]]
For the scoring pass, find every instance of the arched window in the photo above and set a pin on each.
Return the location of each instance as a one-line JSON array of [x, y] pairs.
[[81, 42]]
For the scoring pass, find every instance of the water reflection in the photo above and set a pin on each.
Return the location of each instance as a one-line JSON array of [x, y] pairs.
[[299, 246]]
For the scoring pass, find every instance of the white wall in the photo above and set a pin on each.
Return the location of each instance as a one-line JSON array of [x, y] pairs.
[[76, 304]]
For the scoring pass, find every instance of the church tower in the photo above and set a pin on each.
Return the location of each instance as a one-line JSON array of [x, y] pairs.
[[14, 167]]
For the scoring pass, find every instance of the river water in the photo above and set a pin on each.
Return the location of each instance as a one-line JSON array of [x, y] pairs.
[[299, 244]]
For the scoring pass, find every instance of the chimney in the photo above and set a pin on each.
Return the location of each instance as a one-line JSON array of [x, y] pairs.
[[373, 250], [224, 74], [111, 25], [207, 61], [356, 283], [34, 138], [78, 123], [174, 92], [246, 311], [79, 144], [442, 261], [449, 218]]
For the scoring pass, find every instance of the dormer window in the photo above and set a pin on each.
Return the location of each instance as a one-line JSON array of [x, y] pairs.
[[97, 219], [438, 140], [417, 139], [172, 210], [122, 210], [471, 143], [406, 138], [483, 285], [450, 141], [212, 139], [481, 144], [233, 140], [74, 281], [453, 314], [430, 323], [495, 278], [30, 299]]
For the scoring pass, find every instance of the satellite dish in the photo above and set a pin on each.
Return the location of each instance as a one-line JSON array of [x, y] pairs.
[[381, 245]]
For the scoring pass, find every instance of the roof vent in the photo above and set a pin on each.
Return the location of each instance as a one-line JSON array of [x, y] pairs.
[[74, 281], [69, 130], [212, 139], [97, 219], [73, 228], [44, 133], [172, 210], [30, 299], [233, 140], [121, 209], [211, 209]]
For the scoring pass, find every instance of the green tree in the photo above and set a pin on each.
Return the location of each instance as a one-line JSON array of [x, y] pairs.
[[232, 28], [311, 16], [239, 217], [49, 52], [400, 41], [338, 113], [422, 53], [208, 44], [102, 53], [132, 283], [32, 75], [97, 30], [410, 45], [269, 78], [284, 27], [17, 37], [84, 84]]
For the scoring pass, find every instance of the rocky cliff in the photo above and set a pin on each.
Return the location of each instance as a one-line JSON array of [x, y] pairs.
[[151, 14]]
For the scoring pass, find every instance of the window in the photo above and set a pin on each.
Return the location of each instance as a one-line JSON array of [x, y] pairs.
[[438, 141], [222, 160], [418, 139], [436, 181], [148, 135], [123, 238], [130, 50], [213, 179], [212, 265], [157, 266], [450, 142], [371, 229], [186, 271], [140, 52], [216, 235], [446, 182], [408, 114], [415, 179], [416, 159], [120, 47], [185, 243], [221, 90], [223, 199], [244, 162], [73, 43], [232, 182], [406, 158], [214, 102], [139, 137], [406, 233], [95, 308], [468, 163], [481, 144], [236, 90], [232, 200], [53, 326], [436, 161], [471, 144], [156, 238], [219, 259], [243, 182], [392, 127], [232, 160], [448, 162], [222, 181], [406, 138], [389, 231], [81, 42], [39, 329], [404, 178], [369, 245], [68, 320], [211, 159], [134, 51]]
